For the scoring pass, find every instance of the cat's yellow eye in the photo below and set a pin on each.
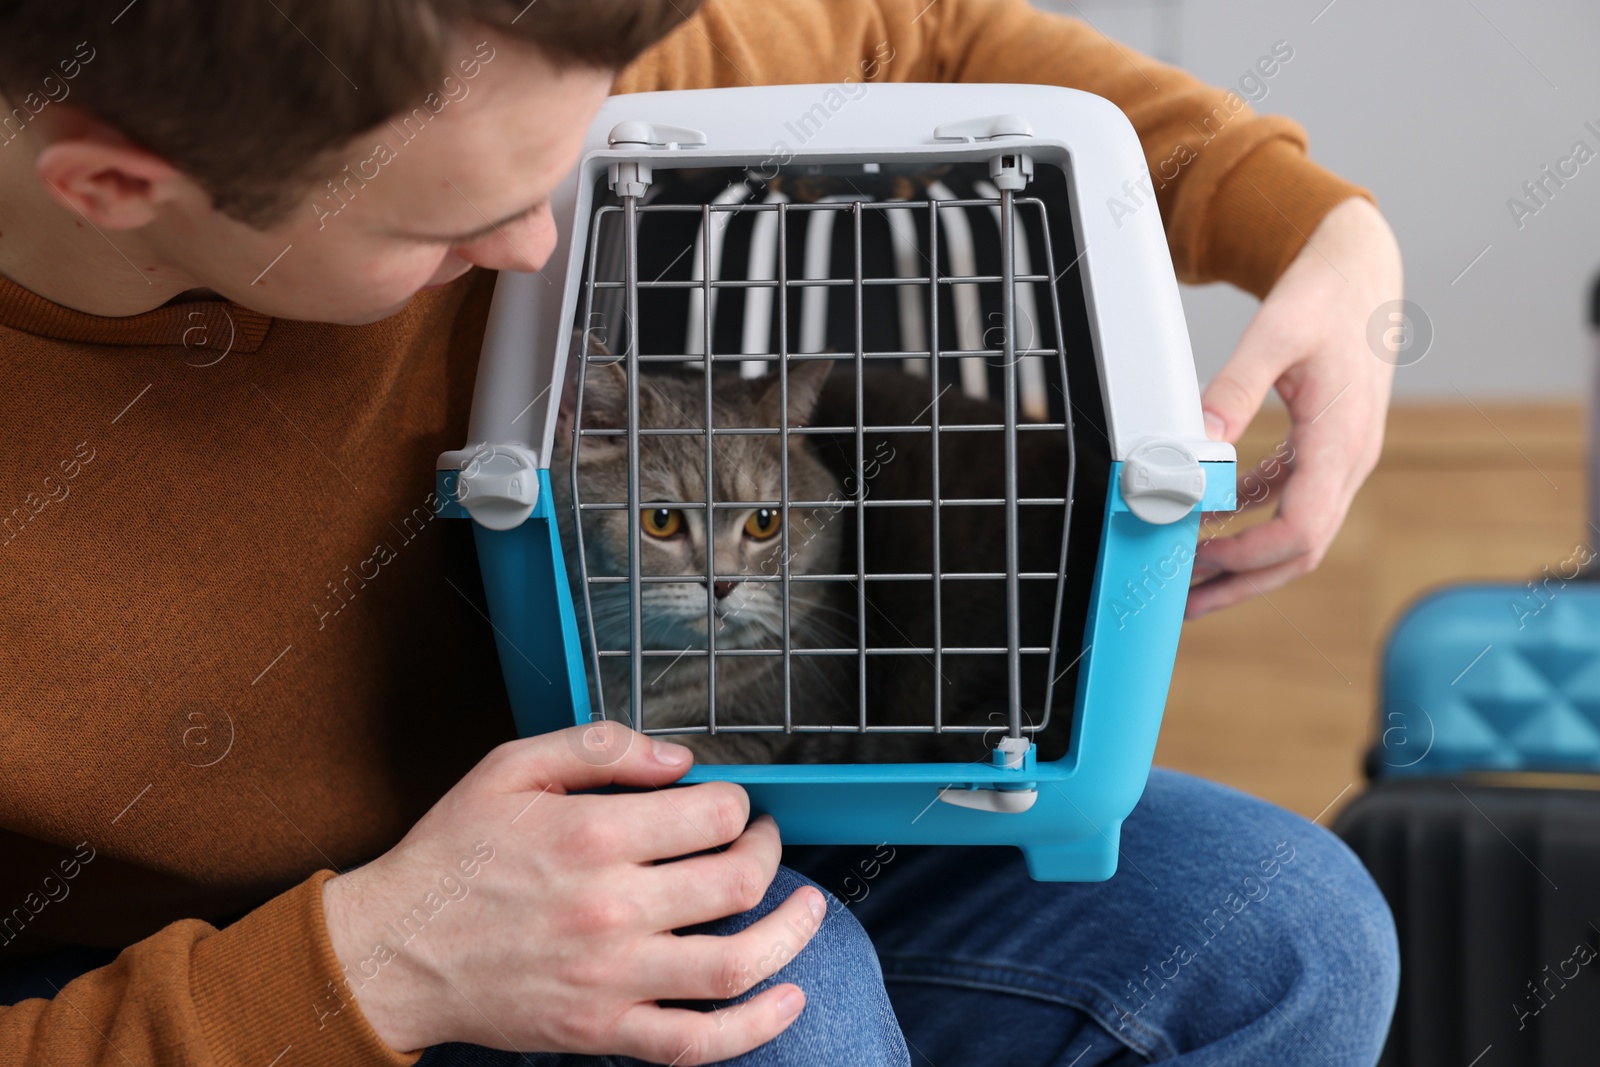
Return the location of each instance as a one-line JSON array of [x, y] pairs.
[[661, 522], [763, 523]]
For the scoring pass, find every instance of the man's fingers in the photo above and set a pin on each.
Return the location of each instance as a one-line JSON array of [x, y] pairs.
[[1261, 484], [1234, 396], [1278, 540], [714, 886], [685, 1038], [1300, 533], [720, 967], [1232, 589], [1312, 504], [665, 823], [1312, 501], [585, 757], [1219, 593]]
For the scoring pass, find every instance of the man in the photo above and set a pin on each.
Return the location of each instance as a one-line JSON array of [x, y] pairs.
[[246, 253]]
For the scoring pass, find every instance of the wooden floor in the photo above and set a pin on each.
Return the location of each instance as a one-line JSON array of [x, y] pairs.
[[1276, 696]]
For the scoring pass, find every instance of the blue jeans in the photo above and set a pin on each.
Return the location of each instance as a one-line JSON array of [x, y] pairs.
[[1233, 933]]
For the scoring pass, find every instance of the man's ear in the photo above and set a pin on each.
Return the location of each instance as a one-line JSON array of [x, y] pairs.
[[94, 170], [806, 379]]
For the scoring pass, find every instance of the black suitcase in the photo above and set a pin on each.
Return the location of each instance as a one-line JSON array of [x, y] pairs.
[[1495, 890], [1482, 821]]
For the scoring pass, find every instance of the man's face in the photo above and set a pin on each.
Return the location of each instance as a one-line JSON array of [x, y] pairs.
[[414, 203]]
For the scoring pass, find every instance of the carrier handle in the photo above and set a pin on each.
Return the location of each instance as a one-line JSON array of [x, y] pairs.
[[654, 135], [999, 801], [984, 129]]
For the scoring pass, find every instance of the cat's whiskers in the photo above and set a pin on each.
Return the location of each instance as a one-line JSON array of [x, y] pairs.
[[816, 633]]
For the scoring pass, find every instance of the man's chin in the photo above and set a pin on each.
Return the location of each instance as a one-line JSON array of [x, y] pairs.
[[366, 318]]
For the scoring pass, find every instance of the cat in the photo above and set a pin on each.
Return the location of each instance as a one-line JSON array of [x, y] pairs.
[[825, 690], [747, 541]]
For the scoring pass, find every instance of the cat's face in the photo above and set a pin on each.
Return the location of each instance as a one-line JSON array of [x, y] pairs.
[[745, 541]]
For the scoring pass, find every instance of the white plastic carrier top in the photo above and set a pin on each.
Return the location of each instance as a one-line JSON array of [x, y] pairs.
[[1135, 316]]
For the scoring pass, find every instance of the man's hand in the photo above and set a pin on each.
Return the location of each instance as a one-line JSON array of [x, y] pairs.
[[1309, 340], [562, 939]]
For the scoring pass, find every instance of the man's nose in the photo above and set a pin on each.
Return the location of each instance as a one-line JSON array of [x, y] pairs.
[[524, 244]]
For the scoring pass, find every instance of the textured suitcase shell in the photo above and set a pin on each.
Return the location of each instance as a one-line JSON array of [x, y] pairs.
[[1494, 892], [1494, 677]]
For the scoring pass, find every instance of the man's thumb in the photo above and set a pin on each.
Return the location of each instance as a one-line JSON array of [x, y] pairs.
[[1234, 396]]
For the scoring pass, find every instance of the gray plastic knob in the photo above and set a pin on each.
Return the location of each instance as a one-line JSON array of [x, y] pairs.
[[1162, 481], [499, 486]]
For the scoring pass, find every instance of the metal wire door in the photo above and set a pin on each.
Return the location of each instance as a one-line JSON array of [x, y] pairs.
[[678, 322]]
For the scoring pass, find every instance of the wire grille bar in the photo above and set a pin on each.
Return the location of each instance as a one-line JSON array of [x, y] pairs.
[[935, 393], [1008, 298], [710, 436], [783, 470], [635, 593]]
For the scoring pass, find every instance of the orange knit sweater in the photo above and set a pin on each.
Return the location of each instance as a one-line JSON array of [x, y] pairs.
[[211, 697]]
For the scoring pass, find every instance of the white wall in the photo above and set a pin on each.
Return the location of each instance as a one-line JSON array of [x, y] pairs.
[[1443, 108]]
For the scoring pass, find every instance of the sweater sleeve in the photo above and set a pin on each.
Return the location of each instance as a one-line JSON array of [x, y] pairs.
[[1236, 191], [267, 989]]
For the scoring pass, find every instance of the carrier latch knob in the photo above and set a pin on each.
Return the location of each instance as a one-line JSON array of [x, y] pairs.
[[1012, 753], [1011, 170], [630, 178], [1162, 481], [633, 177], [499, 486]]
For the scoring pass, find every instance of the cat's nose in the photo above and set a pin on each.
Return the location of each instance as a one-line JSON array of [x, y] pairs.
[[722, 589]]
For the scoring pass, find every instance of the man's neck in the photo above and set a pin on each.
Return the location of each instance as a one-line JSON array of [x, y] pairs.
[[53, 251]]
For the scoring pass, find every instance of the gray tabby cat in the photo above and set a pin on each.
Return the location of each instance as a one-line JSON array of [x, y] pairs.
[[745, 541], [824, 689]]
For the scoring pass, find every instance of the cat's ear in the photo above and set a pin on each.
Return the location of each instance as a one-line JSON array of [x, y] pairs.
[[806, 379], [569, 399], [605, 400]]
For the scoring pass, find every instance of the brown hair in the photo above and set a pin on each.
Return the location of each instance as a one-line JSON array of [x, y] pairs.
[[248, 98]]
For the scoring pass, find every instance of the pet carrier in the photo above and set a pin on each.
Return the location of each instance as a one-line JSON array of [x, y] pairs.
[[996, 313]]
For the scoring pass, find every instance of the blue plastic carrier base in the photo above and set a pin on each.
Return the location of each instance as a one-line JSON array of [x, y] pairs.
[[1070, 834], [1493, 677]]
